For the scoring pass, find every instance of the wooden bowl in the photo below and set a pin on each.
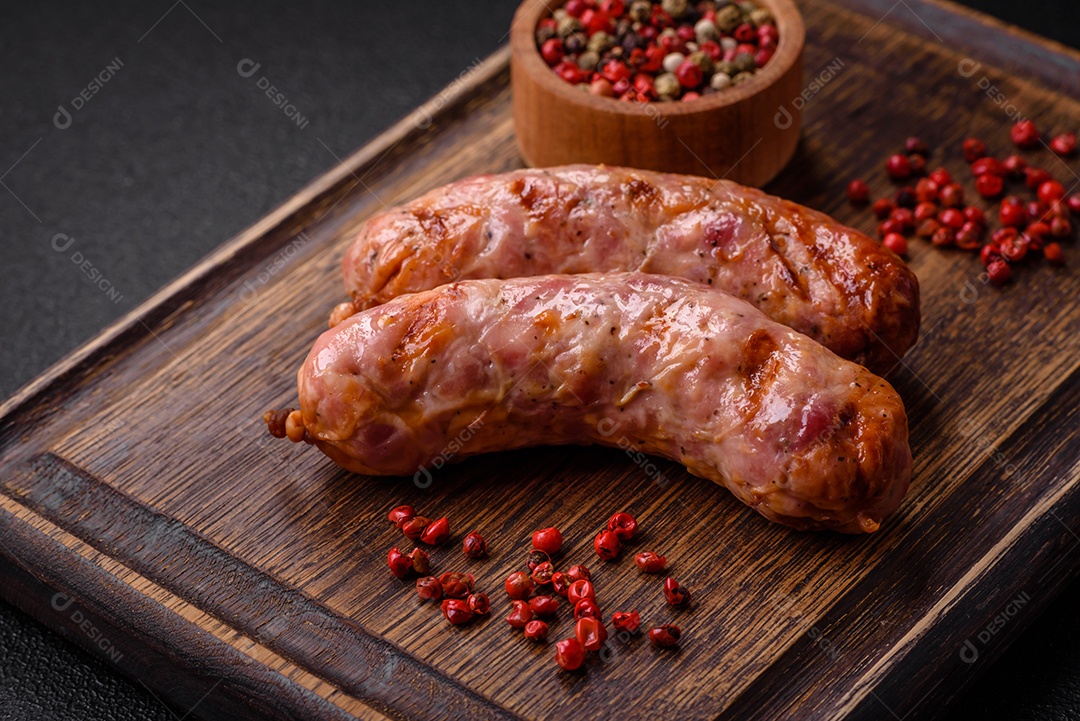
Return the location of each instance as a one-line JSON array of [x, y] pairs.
[[745, 133]]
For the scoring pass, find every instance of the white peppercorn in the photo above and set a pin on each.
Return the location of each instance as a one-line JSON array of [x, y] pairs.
[[728, 18], [760, 17], [706, 30], [667, 86], [720, 81], [702, 60], [672, 61], [600, 42], [741, 78], [675, 8], [727, 44]]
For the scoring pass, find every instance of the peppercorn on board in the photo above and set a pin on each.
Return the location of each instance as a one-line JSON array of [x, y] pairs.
[[145, 513]]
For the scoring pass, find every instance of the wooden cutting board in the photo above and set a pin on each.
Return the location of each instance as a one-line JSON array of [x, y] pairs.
[[145, 514]]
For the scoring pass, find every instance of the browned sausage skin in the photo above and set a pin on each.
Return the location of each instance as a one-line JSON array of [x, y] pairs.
[[700, 377], [798, 266]]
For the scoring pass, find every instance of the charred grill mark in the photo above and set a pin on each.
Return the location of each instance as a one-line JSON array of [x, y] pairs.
[[759, 366], [640, 190], [791, 275]]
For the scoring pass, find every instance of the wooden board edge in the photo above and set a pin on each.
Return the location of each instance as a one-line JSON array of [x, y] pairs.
[[92, 609], [170, 297]]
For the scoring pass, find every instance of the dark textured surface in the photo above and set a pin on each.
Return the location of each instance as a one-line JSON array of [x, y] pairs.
[[178, 151]]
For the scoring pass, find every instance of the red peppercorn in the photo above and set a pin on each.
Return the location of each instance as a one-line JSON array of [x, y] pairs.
[[623, 525], [969, 236], [552, 51], [602, 87], [927, 228], [882, 207], [579, 590], [1064, 144], [569, 654], [586, 607], [688, 96], [1060, 228], [629, 622], [1051, 191], [544, 605], [905, 217], [987, 166], [1038, 230], [925, 210], [613, 8], [1014, 165], [896, 243], [943, 236], [1034, 177], [399, 515], [989, 254], [675, 594], [1014, 249], [1053, 254], [1012, 212], [399, 563], [570, 72], [973, 149], [665, 636], [926, 191], [918, 164], [689, 74], [421, 562], [745, 33], [414, 527], [914, 145], [578, 573], [890, 226], [479, 604], [436, 533], [1073, 203], [456, 585], [1024, 134], [952, 195], [474, 546], [520, 615], [518, 585], [989, 186], [536, 558], [591, 633], [898, 167], [543, 574], [1036, 211], [999, 272], [975, 215], [941, 176], [574, 8], [905, 197], [560, 583], [536, 630], [548, 540], [606, 544], [650, 562], [456, 611], [952, 217], [428, 588]]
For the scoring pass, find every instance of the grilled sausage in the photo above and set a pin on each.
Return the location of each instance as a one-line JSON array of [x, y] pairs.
[[694, 375], [798, 266]]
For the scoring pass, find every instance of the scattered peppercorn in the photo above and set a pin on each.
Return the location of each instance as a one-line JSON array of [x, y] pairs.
[[623, 525], [520, 615], [544, 605], [535, 559], [569, 654], [626, 621], [543, 573], [518, 585], [456, 611], [560, 582], [474, 546], [650, 562], [675, 594], [479, 604], [578, 573], [421, 562], [1024, 134], [898, 167], [456, 585], [1064, 144], [428, 588], [436, 533], [399, 563], [586, 607], [579, 590], [973, 149], [858, 192], [548, 540], [590, 632], [536, 630], [399, 515], [665, 636], [414, 527], [606, 544]]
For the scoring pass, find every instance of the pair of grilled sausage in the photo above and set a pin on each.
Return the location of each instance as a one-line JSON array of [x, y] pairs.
[[744, 387]]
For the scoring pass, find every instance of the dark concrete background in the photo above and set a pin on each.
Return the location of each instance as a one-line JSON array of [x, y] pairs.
[[178, 152]]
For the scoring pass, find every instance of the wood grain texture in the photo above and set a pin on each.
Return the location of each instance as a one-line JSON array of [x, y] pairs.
[[733, 134], [137, 480]]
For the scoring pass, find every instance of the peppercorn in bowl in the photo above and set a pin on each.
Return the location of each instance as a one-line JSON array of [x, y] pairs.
[[706, 88]]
